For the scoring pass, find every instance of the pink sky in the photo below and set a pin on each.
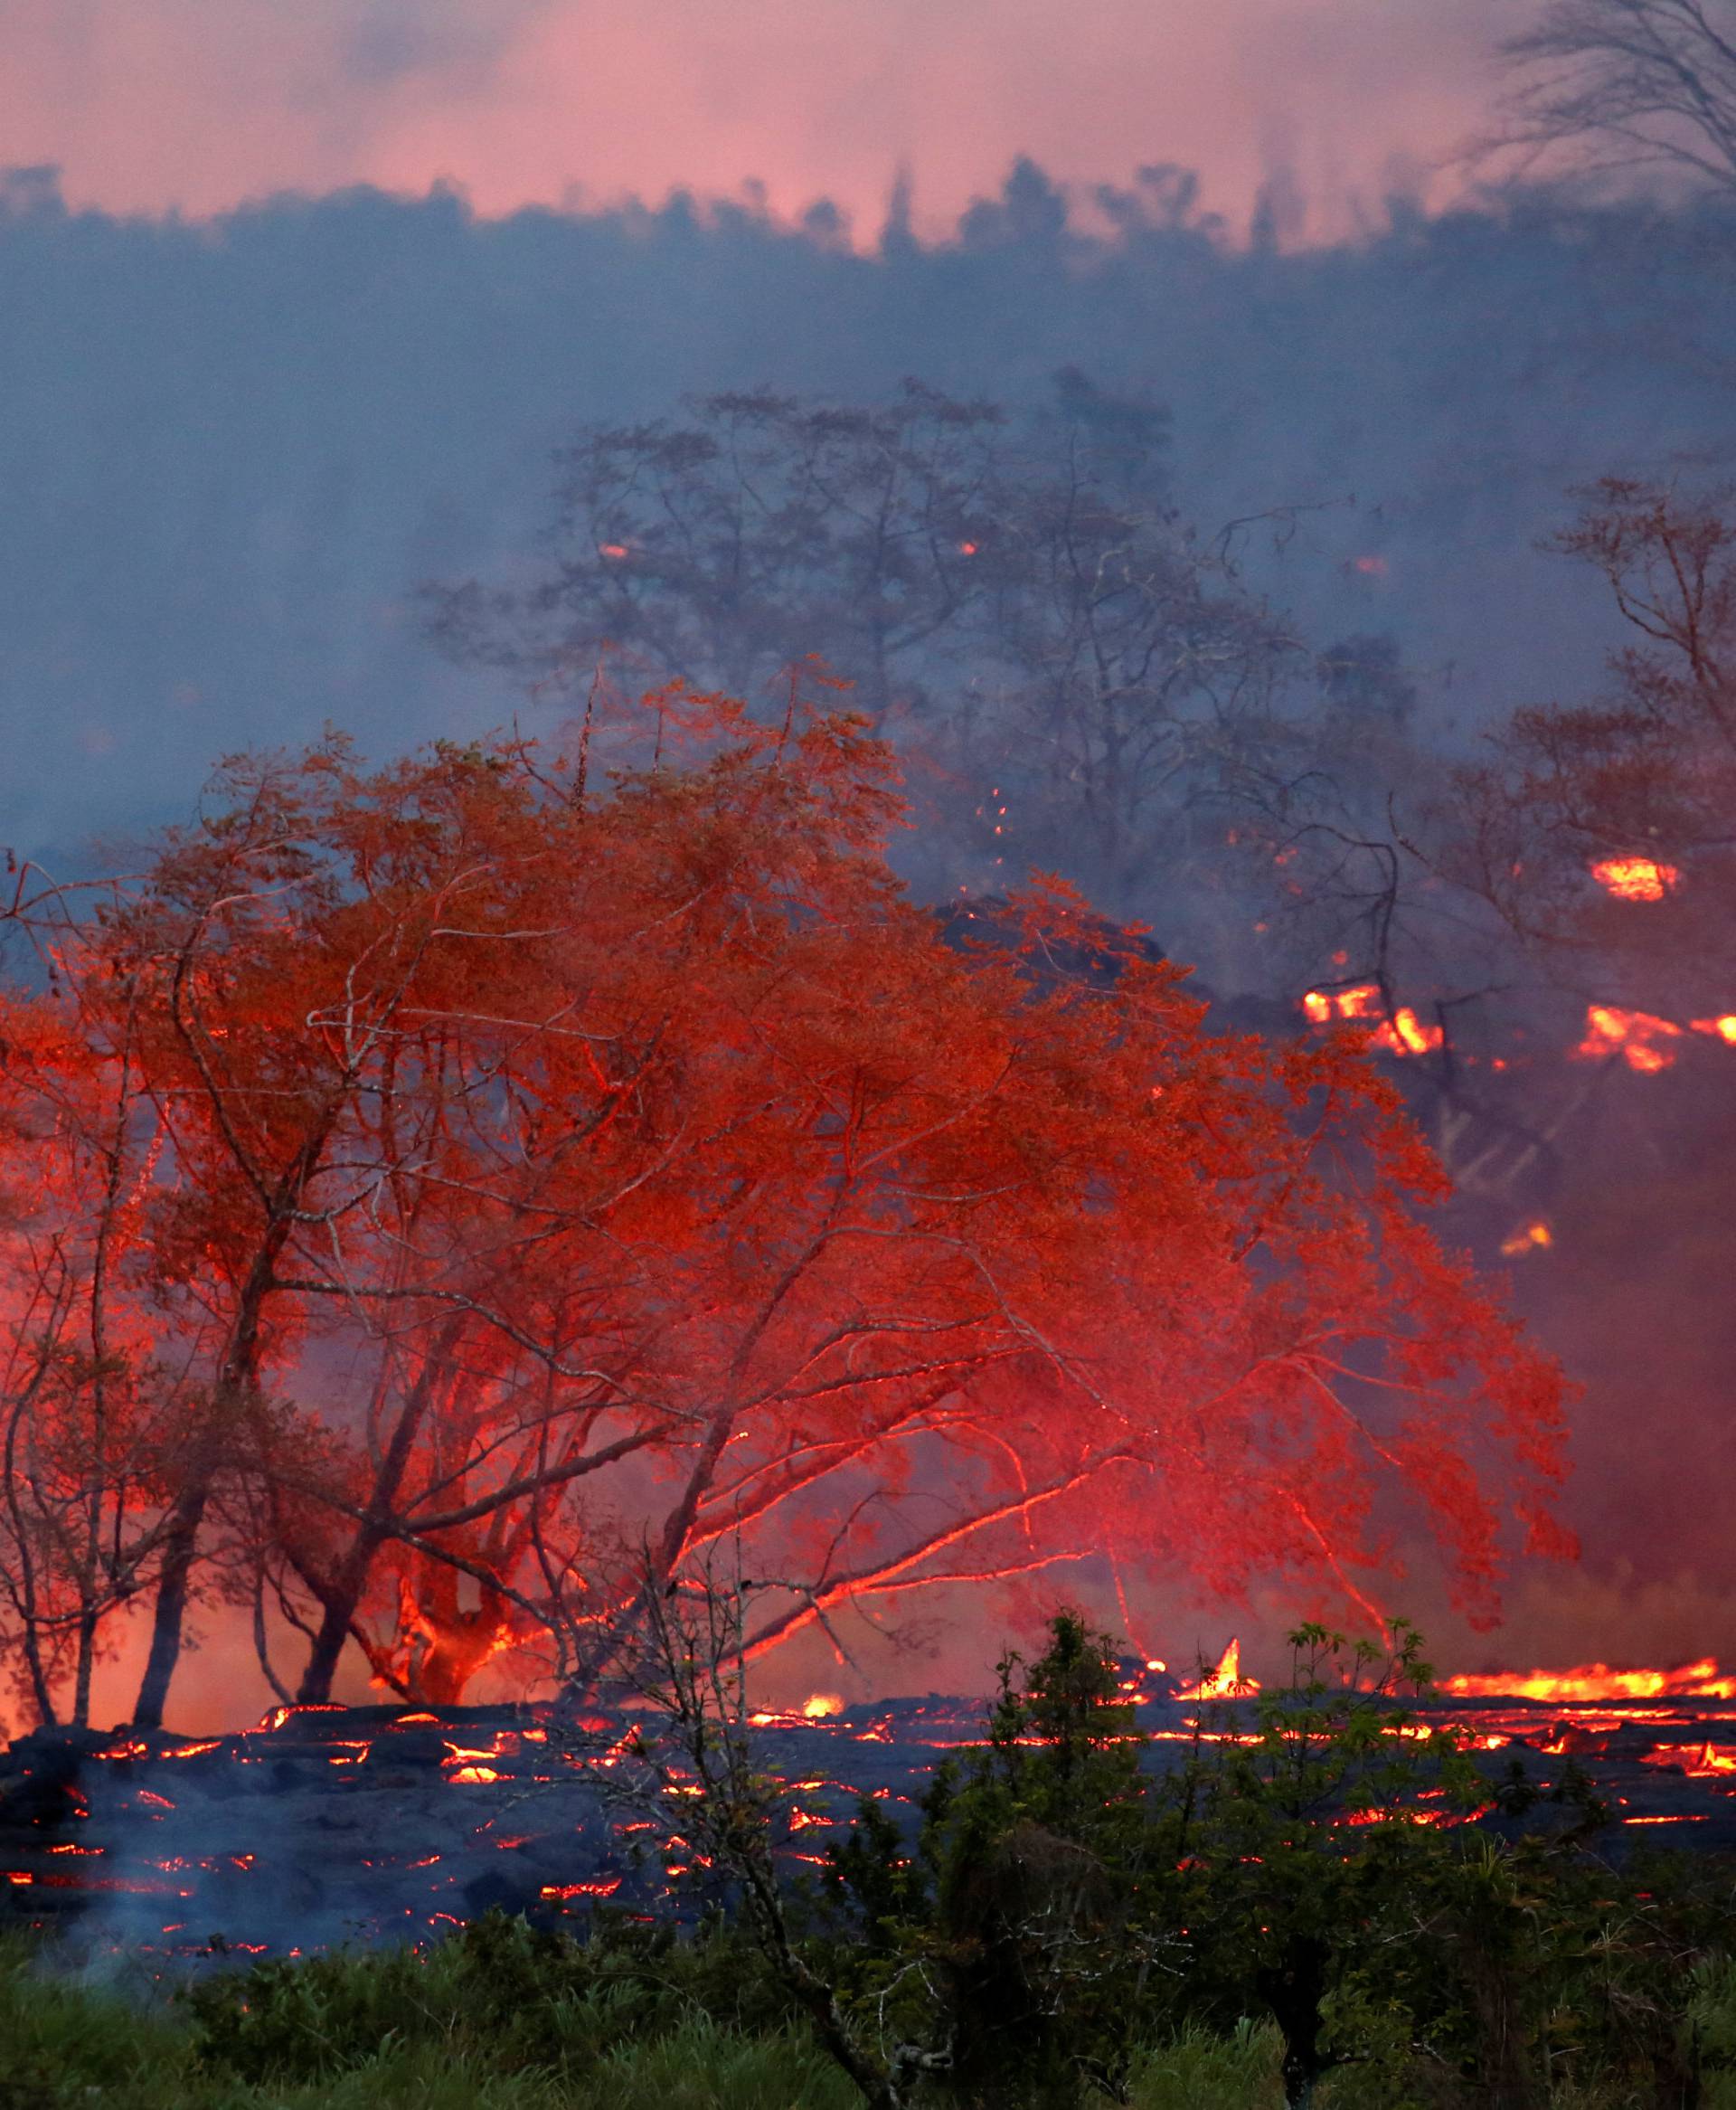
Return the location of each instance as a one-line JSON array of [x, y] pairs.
[[199, 104]]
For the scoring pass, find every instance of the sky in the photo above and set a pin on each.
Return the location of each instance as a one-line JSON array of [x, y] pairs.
[[199, 105]]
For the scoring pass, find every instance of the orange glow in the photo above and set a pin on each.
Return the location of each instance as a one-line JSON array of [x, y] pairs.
[[1637, 1037], [1723, 1028], [1533, 1237], [1407, 1035], [1634, 878], [612, 549], [817, 1705], [278, 1716], [1699, 1680], [1404, 1034], [1224, 1681], [1697, 1764]]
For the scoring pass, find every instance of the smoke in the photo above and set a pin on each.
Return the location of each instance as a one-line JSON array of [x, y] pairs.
[[158, 104]]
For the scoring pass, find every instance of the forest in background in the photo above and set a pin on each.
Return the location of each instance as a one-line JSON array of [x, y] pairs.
[[232, 449]]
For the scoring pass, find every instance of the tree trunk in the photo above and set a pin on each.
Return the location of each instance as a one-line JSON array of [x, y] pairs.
[[340, 1601], [174, 1589], [456, 1643], [1294, 1991], [237, 1380], [338, 1608]]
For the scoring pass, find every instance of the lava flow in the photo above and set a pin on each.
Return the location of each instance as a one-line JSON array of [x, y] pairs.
[[1596, 1681], [278, 1835]]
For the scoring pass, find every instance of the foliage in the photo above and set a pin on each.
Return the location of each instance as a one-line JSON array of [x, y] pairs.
[[1017, 597], [1307, 1863], [659, 1174]]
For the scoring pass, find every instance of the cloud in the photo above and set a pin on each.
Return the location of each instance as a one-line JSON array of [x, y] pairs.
[[150, 104]]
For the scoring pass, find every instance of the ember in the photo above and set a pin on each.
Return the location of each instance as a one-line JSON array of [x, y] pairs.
[[1404, 1034], [1638, 1038], [1634, 878]]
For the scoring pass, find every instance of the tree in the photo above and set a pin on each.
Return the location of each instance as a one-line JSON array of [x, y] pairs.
[[557, 1183], [1629, 84], [1601, 831], [718, 551], [1076, 675], [88, 1404]]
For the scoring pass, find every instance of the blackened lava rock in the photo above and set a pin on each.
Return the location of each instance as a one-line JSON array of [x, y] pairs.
[[55, 1755], [406, 1748], [1542, 1820], [504, 1889]]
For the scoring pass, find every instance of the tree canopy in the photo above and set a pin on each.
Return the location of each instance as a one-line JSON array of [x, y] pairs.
[[526, 1170]]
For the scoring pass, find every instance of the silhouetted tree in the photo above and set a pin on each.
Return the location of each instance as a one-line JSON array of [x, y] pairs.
[[1629, 84]]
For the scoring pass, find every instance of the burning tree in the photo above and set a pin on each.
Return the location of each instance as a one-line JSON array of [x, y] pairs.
[[549, 1185]]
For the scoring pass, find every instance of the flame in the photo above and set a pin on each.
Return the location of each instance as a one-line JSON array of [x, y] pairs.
[[1225, 1681], [1699, 1680], [817, 1705], [1635, 1036], [1533, 1237], [1724, 1028], [1404, 1034], [1360, 1001], [1704, 1762], [1634, 878], [612, 549]]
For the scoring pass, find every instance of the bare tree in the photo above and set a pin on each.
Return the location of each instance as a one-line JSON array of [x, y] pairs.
[[1626, 84], [694, 1747]]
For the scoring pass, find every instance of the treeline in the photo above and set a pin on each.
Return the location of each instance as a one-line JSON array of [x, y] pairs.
[[232, 452]]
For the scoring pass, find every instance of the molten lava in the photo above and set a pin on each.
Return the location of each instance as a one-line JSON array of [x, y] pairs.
[[1404, 1034], [1702, 1762], [1634, 878], [1639, 1037], [1592, 1681], [1224, 1681]]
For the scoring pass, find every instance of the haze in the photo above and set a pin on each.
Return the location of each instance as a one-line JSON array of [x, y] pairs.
[[154, 105]]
